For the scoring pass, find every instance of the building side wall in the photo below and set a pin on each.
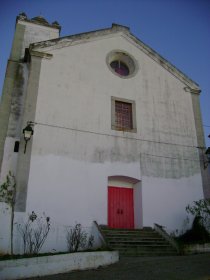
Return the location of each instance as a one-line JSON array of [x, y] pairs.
[[13, 96], [5, 106], [11, 115], [201, 144], [24, 159]]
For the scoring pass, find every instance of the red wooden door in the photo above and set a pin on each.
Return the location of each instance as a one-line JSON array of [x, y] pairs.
[[120, 207]]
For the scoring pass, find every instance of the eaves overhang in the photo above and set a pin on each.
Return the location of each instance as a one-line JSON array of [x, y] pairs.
[[123, 31]]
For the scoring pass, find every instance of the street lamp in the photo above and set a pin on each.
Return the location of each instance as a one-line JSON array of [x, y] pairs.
[[28, 132]]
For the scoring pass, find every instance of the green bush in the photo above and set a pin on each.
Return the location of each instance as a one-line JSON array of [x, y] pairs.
[[197, 234]]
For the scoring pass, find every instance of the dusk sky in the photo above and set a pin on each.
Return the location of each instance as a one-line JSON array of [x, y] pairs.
[[179, 30]]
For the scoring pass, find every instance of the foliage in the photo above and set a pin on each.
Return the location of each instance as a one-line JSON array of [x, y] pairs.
[[90, 241], [34, 233], [201, 209], [200, 229], [176, 233], [7, 189], [77, 239], [197, 233]]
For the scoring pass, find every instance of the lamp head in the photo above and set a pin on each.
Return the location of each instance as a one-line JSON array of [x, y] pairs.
[[28, 132]]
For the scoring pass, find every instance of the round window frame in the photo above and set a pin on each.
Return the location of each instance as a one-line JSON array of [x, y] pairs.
[[126, 58]]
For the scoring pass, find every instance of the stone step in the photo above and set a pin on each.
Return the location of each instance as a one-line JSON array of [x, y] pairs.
[[127, 236], [145, 248], [130, 233], [147, 253], [136, 237], [149, 246], [142, 238], [136, 242], [128, 230], [140, 242]]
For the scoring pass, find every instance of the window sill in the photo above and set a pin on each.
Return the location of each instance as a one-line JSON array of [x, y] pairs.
[[133, 130]]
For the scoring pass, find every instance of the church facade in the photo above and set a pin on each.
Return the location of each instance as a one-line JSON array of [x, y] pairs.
[[117, 132]]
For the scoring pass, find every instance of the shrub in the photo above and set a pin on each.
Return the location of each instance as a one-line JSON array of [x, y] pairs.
[[197, 233], [7, 189], [201, 209], [200, 229], [77, 239], [34, 233]]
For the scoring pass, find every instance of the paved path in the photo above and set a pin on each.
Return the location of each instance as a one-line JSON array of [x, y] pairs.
[[195, 267]]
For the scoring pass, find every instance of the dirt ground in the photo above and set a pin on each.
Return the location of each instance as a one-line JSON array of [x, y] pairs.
[[193, 267]]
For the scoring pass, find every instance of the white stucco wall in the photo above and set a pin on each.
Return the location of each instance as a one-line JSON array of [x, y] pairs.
[[74, 150], [9, 159], [5, 232], [165, 200]]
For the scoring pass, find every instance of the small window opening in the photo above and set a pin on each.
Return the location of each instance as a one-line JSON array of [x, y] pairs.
[[16, 147], [123, 115]]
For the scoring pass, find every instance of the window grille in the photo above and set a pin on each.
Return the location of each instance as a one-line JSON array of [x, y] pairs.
[[123, 115]]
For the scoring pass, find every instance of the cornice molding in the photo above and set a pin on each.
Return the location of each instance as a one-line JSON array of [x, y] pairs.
[[41, 54]]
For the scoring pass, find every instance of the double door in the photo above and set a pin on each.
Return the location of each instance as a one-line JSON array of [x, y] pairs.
[[120, 207]]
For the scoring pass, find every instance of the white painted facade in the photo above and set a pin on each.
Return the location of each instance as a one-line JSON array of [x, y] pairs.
[[74, 154]]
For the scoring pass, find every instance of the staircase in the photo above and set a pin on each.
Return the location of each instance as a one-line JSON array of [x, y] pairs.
[[138, 242]]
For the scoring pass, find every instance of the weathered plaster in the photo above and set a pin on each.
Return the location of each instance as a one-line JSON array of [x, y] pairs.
[[169, 161], [18, 49], [23, 164], [17, 102], [13, 95], [201, 144], [116, 30], [5, 106]]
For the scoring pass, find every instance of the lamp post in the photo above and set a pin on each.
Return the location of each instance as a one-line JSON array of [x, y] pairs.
[[28, 132]]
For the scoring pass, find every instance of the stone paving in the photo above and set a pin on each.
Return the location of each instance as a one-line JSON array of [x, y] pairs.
[[193, 267]]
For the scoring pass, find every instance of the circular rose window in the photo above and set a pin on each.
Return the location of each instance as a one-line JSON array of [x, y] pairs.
[[121, 64]]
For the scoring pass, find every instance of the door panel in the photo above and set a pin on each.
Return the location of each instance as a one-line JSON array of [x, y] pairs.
[[120, 207]]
